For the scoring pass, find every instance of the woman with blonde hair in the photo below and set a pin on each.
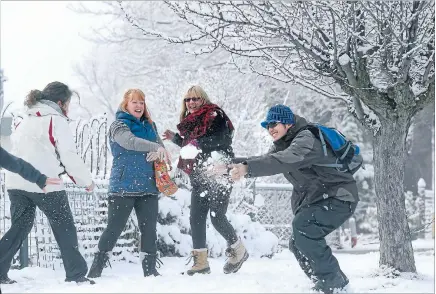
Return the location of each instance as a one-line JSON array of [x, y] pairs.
[[207, 127], [134, 143]]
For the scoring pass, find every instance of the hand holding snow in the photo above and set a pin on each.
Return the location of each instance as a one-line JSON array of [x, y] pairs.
[[189, 152]]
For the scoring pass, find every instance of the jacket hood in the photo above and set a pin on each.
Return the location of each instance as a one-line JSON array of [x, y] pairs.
[[121, 114], [44, 108]]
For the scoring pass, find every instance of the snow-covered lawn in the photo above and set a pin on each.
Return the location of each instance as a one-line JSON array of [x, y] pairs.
[[279, 274]]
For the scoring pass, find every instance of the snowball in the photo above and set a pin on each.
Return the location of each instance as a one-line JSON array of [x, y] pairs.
[[189, 152]]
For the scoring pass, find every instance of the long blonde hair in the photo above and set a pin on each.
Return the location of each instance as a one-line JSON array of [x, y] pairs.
[[128, 96], [193, 91]]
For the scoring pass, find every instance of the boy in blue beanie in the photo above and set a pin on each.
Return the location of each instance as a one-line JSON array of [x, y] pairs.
[[323, 198]]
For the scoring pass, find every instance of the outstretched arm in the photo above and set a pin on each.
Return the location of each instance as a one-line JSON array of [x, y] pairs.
[[298, 155], [119, 132], [22, 167], [173, 137], [62, 139]]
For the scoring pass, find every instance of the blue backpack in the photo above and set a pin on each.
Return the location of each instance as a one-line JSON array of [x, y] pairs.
[[347, 154]]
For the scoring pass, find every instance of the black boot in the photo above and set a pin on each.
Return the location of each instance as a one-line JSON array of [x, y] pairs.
[[100, 261], [5, 280], [149, 264], [327, 286]]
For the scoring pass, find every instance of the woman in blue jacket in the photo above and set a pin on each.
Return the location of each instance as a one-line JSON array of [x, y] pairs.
[[135, 145]]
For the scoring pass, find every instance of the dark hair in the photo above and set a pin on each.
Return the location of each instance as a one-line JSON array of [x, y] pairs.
[[54, 91]]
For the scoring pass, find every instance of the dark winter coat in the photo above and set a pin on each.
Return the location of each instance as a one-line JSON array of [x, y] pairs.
[[131, 174], [294, 155], [217, 138], [21, 167]]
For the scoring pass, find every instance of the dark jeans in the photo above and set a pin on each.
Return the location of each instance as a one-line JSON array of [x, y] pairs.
[[310, 226], [119, 209], [209, 195], [57, 209]]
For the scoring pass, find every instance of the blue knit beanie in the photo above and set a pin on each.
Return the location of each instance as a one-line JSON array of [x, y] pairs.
[[279, 113]]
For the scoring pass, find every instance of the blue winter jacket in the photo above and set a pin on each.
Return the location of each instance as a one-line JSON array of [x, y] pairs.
[[131, 174]]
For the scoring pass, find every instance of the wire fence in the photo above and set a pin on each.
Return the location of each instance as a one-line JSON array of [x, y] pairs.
[[269, 204]]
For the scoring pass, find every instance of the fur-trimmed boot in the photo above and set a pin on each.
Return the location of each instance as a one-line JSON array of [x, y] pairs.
[[237, 255], [201, 265]]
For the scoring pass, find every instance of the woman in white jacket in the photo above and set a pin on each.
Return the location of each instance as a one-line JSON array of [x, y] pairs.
[[44, 139]]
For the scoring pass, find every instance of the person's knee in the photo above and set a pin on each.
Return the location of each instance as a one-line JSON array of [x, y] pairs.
[[114, 229], [303, 229], [217, 217], [147, 230], [292, 247], [197, 218], [298, 224]]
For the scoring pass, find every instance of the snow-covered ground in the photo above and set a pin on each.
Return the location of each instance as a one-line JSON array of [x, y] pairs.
[[279, 274]]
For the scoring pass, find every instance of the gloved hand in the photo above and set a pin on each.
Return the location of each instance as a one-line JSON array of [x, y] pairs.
[[218, 170], [161, 154], [90, 188], [51, 181], [353, 242], [168, 135], [238, 171]]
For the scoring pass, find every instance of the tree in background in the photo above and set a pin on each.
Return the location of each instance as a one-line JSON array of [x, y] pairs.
[[378, 55]]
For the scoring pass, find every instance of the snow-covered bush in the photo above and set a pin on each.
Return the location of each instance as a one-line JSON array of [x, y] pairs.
[[174, 230]]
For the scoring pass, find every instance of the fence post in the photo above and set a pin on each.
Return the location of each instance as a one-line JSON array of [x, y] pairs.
[[421, 206], [254, 192], [24, 253], [432, 228]]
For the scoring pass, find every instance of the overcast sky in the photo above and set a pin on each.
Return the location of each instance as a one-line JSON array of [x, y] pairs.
[[40, 42]]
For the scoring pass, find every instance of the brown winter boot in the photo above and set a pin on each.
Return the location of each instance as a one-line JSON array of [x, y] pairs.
[[237, 255], [201, 265]]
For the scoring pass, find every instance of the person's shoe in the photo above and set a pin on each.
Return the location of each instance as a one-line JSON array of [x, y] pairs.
[[201, 265], [5, 280], [338, 282], [81, 280], [237, 255], [101, 259], [149, 264]]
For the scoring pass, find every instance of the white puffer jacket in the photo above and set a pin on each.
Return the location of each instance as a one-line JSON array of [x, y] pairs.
[[44, 139]]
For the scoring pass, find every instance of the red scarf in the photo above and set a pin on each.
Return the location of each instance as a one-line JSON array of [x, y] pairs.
[[196, 125]]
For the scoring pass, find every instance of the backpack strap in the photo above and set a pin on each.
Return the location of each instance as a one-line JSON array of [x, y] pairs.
[[321, 137], [335, 165], [318, 134], [346, 151]]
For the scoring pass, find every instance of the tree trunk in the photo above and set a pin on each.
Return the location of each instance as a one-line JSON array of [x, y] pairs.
[[389, 161]]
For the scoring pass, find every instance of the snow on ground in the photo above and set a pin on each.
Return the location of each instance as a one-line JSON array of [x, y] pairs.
[[279, 274]]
